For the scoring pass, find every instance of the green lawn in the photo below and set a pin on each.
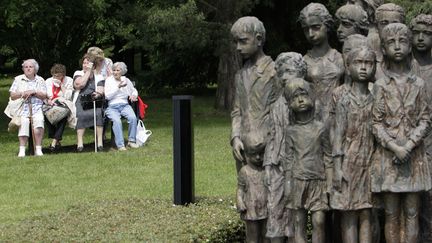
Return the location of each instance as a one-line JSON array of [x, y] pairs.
[[53, 183]]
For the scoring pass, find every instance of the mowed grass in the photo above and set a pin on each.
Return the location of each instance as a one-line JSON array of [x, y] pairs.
[[33, 186]]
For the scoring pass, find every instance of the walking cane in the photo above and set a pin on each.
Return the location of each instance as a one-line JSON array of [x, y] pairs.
[[32, 140], [94, 124]]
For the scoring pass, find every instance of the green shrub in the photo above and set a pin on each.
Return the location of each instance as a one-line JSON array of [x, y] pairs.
[[208, 220]]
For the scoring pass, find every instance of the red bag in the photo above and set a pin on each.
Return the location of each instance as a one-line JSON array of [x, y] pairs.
[[142, 107]]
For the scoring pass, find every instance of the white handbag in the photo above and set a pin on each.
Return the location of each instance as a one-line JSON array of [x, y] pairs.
[[142, 133]]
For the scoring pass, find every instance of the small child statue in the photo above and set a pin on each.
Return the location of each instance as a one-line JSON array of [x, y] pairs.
[[353, 146], [288, 65], [400, 119], [254, 85], [352, 19], [251, 191], [421, 26], [351, 42], [308, 165], [325, 64], [385, 14]]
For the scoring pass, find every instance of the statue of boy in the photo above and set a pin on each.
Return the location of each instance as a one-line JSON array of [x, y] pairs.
[[421, 27], [353, 146], [400, 170], [352, 20], [251, 191], [385, 14], [308, 165], [325, 64], [254, 84], [288, 65]]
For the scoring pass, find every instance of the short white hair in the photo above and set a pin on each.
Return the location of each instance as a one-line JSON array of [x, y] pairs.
[[122, 67], [32, 61]]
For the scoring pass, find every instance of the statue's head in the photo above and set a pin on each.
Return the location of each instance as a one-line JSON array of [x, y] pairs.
[[249, 35], [352, 19], [361, 64], [299, 94], [369, 6], [316, 22], [352, 42], [254, 146], [421, 27], [396, 42], [290, 65], [388, 13]]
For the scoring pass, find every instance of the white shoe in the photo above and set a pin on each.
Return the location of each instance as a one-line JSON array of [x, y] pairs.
[[21, 153], [38, 152], [133, 145]]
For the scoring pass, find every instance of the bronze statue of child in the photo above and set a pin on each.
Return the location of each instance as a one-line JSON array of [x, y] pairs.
[[251, 191], [352, 19], [325, 64], [308, 164], [351, 42], [288, 65], [353, 146], [400, 119], [421, 27], [385, 14], [254, 84]]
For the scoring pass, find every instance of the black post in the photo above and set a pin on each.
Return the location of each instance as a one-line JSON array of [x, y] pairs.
[[183, 150]]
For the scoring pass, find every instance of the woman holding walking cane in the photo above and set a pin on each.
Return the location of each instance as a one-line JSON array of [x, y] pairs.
[[90, 88], [30, 89]]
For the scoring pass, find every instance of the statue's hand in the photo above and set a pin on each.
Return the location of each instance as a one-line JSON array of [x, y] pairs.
[[238, 149], [241, 207], [267, 176], [337, 180], [287, 188], [402, 154]]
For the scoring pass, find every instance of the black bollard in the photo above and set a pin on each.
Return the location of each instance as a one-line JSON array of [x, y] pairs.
[[183, 150]]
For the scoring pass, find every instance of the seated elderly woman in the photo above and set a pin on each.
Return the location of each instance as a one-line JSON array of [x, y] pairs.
[[118, 90], [29, 91], [59, 91]]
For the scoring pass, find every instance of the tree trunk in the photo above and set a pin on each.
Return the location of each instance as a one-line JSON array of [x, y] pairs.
[[229, 64]]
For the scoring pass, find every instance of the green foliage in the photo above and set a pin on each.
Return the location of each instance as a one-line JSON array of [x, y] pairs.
[[176, 40], [414, 8], [54, 31], [144, 220]]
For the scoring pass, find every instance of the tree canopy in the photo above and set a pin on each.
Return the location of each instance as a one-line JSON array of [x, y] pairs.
[[183, 42]]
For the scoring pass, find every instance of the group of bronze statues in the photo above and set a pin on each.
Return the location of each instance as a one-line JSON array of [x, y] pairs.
[[336, 135]]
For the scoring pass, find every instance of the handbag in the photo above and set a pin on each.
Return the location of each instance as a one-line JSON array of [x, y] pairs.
[[14, 124], [86, 101], [56, 113], [13, 110], [142, 134]]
